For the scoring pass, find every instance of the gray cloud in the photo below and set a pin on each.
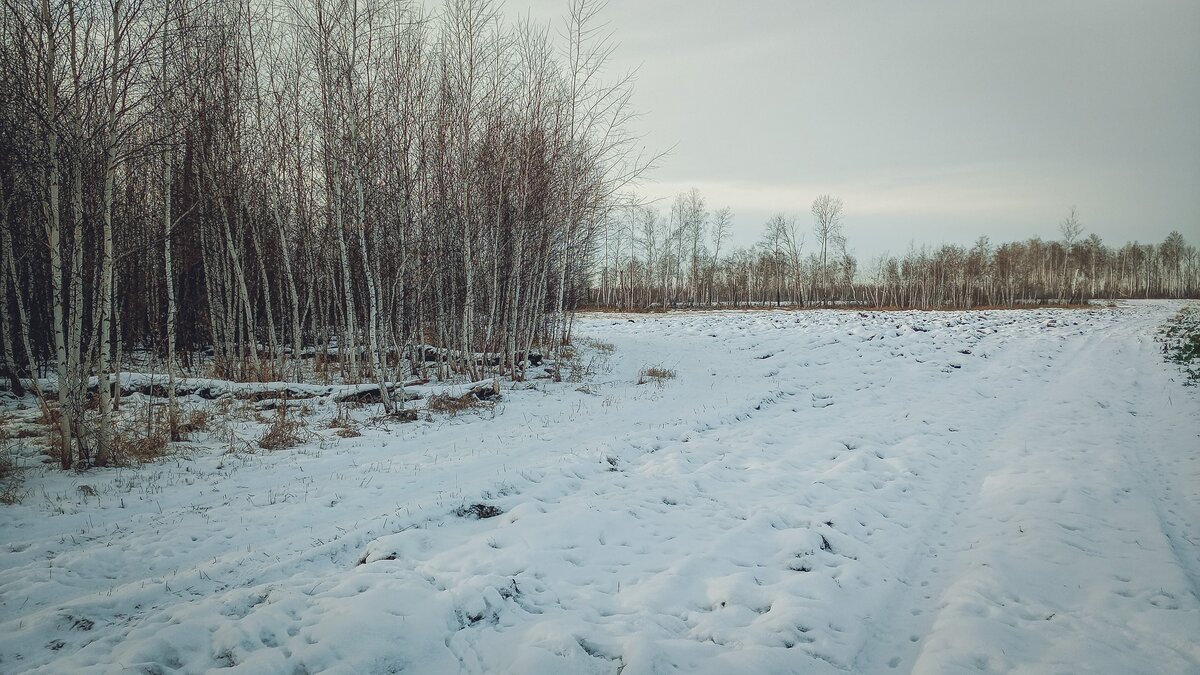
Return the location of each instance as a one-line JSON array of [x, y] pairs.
[[934, 121]]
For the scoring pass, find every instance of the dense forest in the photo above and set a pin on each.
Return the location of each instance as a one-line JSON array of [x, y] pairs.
[[650, 260], [259, 182]]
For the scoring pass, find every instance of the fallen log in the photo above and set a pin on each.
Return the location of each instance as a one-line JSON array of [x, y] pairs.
[[370, 394]]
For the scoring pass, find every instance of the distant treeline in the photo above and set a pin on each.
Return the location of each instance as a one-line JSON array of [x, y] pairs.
[[651, 260]]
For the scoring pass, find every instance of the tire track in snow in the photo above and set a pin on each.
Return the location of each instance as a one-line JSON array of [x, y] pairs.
[[900, 631], [714, 541], [1069, 562], [1178, 508]]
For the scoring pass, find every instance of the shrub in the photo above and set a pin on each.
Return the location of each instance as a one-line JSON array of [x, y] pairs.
[[1180, 339]]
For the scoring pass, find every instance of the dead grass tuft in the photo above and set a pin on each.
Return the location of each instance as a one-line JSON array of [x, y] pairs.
[[599, 346], [146, 436], [656, 374], [343, 425], [197, 420], [138, 446], [10, 484], [402, 415], [479, 396], [282, 432], [572, 365], [445, 403], [11, 492]]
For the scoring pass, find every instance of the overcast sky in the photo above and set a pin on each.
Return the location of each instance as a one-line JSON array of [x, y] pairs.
[[933, 121]]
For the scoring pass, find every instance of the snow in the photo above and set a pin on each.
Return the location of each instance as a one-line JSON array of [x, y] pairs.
[[821, 491]]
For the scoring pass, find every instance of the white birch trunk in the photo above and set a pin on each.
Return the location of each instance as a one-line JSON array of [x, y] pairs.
[[52, 225], [169, 273]]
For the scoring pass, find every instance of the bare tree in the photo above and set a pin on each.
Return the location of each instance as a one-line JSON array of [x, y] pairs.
[[827, 227], [722, 223]]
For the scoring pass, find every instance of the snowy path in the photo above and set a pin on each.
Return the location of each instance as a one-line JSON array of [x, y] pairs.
[[813, 492], [1081, 535]]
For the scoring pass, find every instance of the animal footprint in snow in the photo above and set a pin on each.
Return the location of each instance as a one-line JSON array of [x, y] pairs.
[[1163, 600]]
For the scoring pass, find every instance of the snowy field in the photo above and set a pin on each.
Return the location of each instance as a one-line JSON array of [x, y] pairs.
[[814, 492]]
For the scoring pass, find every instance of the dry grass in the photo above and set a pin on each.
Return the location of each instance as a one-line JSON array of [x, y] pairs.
[[599, 346], [139, 433], [572, 366], [324, 368], [196, 420], [656, 374], [263, 371], [343, 425], [283, 431], [223, 405], [10, 485], [139, 446], [445, 403], [146, 436], [245, 370], [480, 396]]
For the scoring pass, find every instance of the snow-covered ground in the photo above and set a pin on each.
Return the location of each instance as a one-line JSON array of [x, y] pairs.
[[812, 492]]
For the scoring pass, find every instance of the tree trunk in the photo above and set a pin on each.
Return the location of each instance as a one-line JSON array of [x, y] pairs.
[[169, 274]]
